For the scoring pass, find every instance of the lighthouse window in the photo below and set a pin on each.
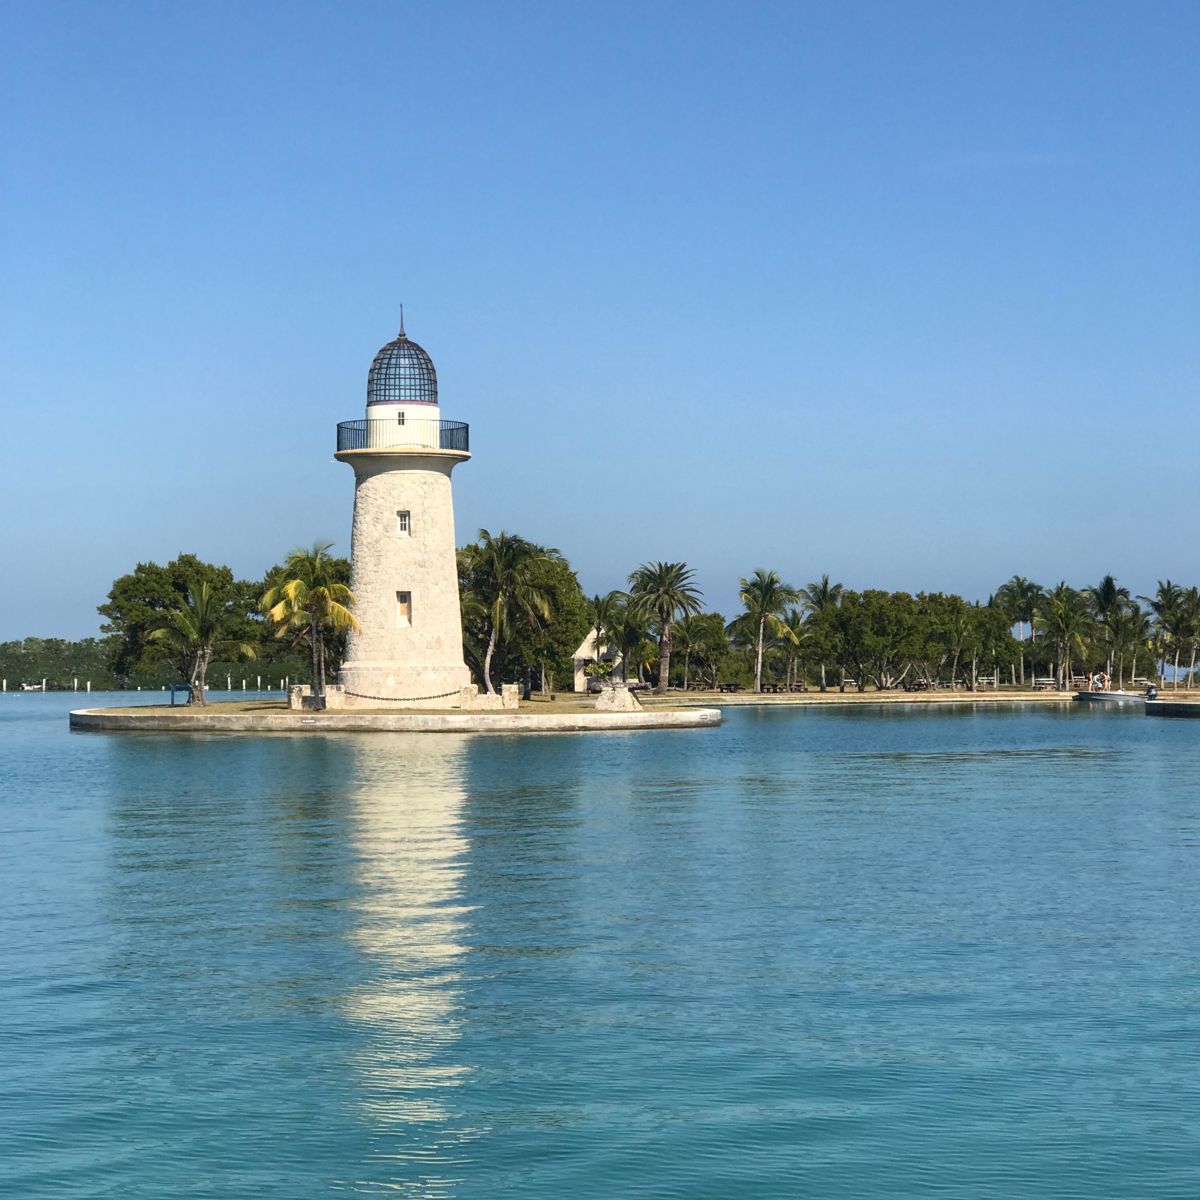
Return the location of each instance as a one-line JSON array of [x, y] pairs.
[[400, 417], [402, 524], [404, 608]]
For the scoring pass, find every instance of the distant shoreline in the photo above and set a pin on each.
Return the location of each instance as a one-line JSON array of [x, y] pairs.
[[834, 697]]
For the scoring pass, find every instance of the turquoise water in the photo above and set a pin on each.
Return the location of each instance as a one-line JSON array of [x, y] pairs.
[[814, 953]]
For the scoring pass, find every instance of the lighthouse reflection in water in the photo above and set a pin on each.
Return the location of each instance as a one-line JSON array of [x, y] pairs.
[[407, 921]]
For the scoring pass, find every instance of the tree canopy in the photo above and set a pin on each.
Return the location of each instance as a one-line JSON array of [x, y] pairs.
[[524, 615]]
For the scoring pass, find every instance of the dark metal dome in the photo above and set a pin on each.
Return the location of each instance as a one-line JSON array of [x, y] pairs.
[[402, 373]]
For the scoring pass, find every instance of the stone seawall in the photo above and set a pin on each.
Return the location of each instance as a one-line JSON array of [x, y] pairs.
[[348, 721]]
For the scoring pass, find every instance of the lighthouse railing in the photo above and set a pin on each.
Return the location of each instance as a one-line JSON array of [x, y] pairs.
[[412, 435]]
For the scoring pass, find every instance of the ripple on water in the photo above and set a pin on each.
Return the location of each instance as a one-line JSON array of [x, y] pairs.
[[810, 953]]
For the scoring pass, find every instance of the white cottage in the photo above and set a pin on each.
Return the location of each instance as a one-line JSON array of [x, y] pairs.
[[587, 654]]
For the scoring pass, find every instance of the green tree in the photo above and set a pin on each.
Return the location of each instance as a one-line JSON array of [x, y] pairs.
[[766, 598], [309, 603], [1063, 619], [1131, 632], [631, 629], [191, 633], [685, 643], [826, 638], [1166, 605], [1018, 598], [1107, 601], [663, 591], [708, 647], [59, 662], [605, 612], [943, 633], [992, 639], [1189, 628], [500, 574], [137, 602], [881, 636], [547, 647], [819, 598], [799, 640]]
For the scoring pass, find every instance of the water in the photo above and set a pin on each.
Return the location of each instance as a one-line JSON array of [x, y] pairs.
[[815, 953]]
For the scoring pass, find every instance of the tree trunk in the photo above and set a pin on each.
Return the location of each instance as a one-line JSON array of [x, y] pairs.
[[314, 666], [687, 662], [199, 673], [758, 660], [487, 661], [822, 677], [1175, 679], [318, 649], [664, 658]]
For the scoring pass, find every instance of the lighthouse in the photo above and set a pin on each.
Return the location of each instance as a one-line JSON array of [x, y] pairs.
[[407, 650]]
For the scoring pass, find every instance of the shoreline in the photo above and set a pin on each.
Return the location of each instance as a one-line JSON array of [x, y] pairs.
[[834, 698], [565, 713]]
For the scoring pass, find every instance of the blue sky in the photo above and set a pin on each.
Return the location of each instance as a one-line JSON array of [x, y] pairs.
[[905, 292]]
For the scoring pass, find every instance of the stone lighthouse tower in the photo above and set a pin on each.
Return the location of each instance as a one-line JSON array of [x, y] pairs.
[[408, 650]]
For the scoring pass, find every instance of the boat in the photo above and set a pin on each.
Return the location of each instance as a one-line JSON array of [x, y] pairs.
[[1111, 699], [1173, 708]]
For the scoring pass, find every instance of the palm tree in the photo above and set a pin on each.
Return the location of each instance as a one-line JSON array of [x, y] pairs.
[[817, 598], [1166, 605], [798, 633], [765, 597], [687, 636], [192, 633], [1189, 627], [1019, 598], [1131, 633], [308, 602], [1107, 600], [606, 615], [630, 633], [1063, 619], [505, 570], [663, 591]]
